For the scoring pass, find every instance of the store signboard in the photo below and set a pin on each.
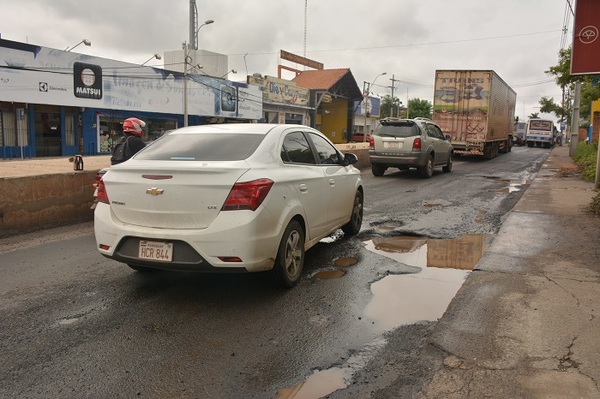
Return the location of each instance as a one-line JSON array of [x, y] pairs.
[[40, 75], [280, 91], [585, 59], [370, 105]]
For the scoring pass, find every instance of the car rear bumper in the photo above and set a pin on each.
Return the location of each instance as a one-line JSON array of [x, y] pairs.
[[194, 249], [411, 160]]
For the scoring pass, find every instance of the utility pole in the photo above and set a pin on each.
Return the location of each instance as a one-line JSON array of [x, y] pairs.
[[575, 120], [392, 107], [366, 89]]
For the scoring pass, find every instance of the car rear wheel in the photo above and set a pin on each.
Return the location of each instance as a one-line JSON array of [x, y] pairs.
[[426, 171], [448, 167], [353, 226], [290, 256], [378, 169]]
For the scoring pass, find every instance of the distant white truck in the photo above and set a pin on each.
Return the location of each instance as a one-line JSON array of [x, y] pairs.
[[540, 133], [477, 109]]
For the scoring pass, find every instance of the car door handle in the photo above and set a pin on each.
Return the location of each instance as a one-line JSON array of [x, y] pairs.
[[332, 182], [303, 188]]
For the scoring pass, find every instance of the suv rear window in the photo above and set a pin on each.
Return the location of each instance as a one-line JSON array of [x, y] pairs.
[[398, 129]]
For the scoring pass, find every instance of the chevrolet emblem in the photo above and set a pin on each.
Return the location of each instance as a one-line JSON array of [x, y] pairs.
[[155, 191]]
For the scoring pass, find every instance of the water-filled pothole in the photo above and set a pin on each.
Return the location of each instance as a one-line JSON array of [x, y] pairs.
[[400, 299], [513, 185], [462, 253], [329, 274]]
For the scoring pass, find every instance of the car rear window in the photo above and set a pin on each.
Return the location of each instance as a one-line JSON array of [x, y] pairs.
[[202, 147], [406, 129]]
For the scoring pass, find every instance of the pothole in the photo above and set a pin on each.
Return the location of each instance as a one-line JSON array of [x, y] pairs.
[[345, 262], [329, 274]]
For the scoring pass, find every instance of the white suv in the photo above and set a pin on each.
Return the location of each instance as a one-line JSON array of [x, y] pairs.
[[410, 143]]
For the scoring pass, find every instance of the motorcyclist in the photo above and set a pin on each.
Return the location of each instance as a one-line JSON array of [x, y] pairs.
[[132, 141]]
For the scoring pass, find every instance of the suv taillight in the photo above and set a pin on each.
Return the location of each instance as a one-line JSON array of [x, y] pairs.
[[248, 195], [417, 144]]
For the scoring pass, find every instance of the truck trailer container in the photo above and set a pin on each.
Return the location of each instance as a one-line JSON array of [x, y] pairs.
[[477, 109]]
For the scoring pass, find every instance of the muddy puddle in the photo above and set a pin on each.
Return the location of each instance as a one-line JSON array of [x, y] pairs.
[[399, 299], [424, 296], [512, 185]]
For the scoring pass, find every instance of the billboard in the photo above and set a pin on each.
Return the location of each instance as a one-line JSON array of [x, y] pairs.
[[585, 58], [40, 75]]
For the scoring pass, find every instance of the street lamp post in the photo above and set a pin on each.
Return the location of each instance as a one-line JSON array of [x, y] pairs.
[[187, 60], [84, 41], [366, 101], [157, 56]]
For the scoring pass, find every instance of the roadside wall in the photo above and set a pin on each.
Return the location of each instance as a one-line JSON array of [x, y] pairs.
[[37, 202]]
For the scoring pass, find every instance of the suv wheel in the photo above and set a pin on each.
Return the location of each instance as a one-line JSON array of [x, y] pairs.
[[426, 171], [448, 166], [378, 169]]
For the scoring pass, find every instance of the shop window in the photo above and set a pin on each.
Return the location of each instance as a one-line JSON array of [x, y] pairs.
[[293, 119], [110, 130], [9, 128]]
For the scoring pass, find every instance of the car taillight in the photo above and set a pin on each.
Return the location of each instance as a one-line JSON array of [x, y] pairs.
[[102, 196], [247, 195], [417, 144], [371, 142]]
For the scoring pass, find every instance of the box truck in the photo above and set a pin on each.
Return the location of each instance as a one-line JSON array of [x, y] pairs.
[[477, 109]]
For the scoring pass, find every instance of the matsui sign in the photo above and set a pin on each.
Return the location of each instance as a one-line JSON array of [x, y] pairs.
[[585, 59]]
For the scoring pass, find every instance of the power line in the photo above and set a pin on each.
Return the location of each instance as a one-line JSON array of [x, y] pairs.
[[415, 44]]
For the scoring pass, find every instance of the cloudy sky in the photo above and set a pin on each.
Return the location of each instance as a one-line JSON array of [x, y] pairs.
[[406, 39]]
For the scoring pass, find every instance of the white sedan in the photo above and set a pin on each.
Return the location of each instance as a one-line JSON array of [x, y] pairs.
[[230, 197]]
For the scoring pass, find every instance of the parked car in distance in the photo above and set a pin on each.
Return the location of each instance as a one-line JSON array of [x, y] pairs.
[[358, 137], [241, 197], [410, 143]]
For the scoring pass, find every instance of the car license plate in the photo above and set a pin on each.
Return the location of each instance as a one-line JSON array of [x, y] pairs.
[[392, 144], [156, 250]]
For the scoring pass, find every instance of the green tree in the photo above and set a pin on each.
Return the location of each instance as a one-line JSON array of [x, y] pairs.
[[566, 81], [534, 115], [390, 107], [419, 108]]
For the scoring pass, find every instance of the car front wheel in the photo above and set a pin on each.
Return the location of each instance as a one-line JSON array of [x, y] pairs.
[[353, 226], [290, 256]]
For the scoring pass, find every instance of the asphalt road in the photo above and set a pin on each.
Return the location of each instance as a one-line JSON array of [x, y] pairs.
[[75, 324]]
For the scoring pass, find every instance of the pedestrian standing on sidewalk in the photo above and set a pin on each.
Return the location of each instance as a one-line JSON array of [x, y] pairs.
[[131, 142]]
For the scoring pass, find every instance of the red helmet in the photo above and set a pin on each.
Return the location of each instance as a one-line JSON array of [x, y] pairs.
[[134, 126]]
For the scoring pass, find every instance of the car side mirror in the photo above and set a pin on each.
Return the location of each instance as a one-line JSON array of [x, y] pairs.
[[448, 137], [350, 159]]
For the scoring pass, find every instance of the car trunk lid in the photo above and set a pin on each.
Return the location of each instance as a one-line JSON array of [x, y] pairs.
[[171, 195]]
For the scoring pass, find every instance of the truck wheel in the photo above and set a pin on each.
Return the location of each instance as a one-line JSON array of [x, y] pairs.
[[378, 169], [427, 170], [488, 151]]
